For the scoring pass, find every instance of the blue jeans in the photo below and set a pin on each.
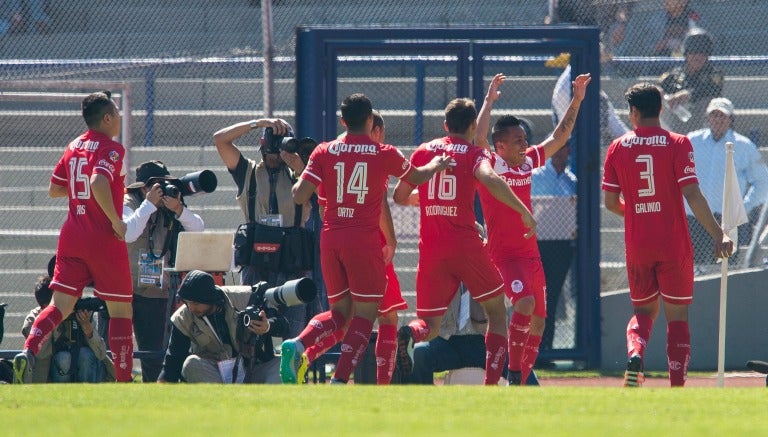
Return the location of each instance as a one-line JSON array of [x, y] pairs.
[[88, 368]]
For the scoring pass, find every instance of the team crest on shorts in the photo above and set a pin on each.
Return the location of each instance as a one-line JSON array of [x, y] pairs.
[[517, 286]]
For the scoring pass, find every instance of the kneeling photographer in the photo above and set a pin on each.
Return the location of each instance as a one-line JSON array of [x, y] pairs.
[[264, 196], [74, 353], [224, 334], [154, 212]]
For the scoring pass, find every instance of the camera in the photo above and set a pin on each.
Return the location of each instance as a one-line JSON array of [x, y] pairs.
[[291, 293], [92, 304], [275, 143], [203, 181]]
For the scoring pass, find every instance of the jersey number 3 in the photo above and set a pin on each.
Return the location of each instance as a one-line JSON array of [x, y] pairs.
[[646, 175], [79, 183]]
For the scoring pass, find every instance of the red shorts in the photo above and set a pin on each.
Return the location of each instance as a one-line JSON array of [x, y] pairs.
[[393, 296], [355, 267], [672, 279], [438, 279], [525, 277], [110, 276]]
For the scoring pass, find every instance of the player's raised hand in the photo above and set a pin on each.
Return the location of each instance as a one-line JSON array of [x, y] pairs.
[[493, 88], [580, 86]]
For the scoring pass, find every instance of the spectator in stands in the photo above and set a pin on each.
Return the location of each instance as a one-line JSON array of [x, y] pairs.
[[688, 88], [610, 17], [680, 19], [37, 16], [74, 353], [556, 246], [11, 18], [264, 194], [752, 173], [154, 221], [209, 343]]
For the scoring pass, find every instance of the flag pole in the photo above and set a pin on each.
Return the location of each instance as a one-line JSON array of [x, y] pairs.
[[733, 215]]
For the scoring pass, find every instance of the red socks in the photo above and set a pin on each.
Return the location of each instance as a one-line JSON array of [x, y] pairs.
[[323, 345], [678, 352], [519, 327], [496, 351], [419, 330], [353, 347], [638, 334], [530, 353], [121, 345], [320, 327], [386, 348], [48, 319]]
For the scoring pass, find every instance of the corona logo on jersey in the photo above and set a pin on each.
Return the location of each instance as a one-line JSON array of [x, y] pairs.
[[653, 140], [337, 148], [439, 145]]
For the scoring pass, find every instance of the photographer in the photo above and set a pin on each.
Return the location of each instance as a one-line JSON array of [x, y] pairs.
[[264, 193], [208, 335], [154, 216], [74, 353]]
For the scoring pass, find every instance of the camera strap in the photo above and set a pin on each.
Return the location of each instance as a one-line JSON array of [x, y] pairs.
[[252, 196]]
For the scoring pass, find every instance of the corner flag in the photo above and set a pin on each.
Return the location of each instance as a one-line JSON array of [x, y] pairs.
[[734, 213]]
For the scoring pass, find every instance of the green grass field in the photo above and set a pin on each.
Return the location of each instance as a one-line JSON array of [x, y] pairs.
[[137, 409]]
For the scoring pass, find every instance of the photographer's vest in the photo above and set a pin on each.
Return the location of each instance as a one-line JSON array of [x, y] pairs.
[[261, 190], [204, 342], [159, 224]]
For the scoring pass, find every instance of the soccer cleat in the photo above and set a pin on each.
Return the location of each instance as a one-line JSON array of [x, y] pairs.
[[335, 381], [291, 361], [634, 377], [23, 365], [301, 371], [514, 377], [404, 360]]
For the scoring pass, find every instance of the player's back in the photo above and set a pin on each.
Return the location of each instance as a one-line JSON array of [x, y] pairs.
[[89, 154], [650, 166], [354, 171], [447, 200]]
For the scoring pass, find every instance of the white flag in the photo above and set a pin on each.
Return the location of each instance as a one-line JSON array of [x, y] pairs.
[[734, 213]]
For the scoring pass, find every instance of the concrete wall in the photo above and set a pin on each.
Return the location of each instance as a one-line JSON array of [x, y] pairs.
[[746, 325]]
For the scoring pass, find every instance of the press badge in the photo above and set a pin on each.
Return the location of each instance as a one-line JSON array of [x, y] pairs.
[[150, 269], [271, 219]]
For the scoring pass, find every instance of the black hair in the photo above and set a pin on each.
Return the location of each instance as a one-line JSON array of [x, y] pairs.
[[355, 110], [378, 120], [502, 124], [646, 98], [43, 292], [459, 115], [95, 105]]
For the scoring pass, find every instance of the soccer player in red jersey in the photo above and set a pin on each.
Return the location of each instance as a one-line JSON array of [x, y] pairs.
[[516, 256], [449, 250], [391, 303], [353, 171], [91, 247], [647, 173]]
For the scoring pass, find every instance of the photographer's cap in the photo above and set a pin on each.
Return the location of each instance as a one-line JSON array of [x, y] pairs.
[[148, 170], [199, 286]]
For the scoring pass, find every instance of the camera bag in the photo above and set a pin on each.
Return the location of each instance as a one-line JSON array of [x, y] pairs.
[[273, 248]]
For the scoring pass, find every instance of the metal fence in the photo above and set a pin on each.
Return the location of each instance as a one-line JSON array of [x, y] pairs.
[[194, 66]]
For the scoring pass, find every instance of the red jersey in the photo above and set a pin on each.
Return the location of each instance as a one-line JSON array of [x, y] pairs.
[[506, 232], [649, 166], [446, 201], [354, 171], [86, 226]]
